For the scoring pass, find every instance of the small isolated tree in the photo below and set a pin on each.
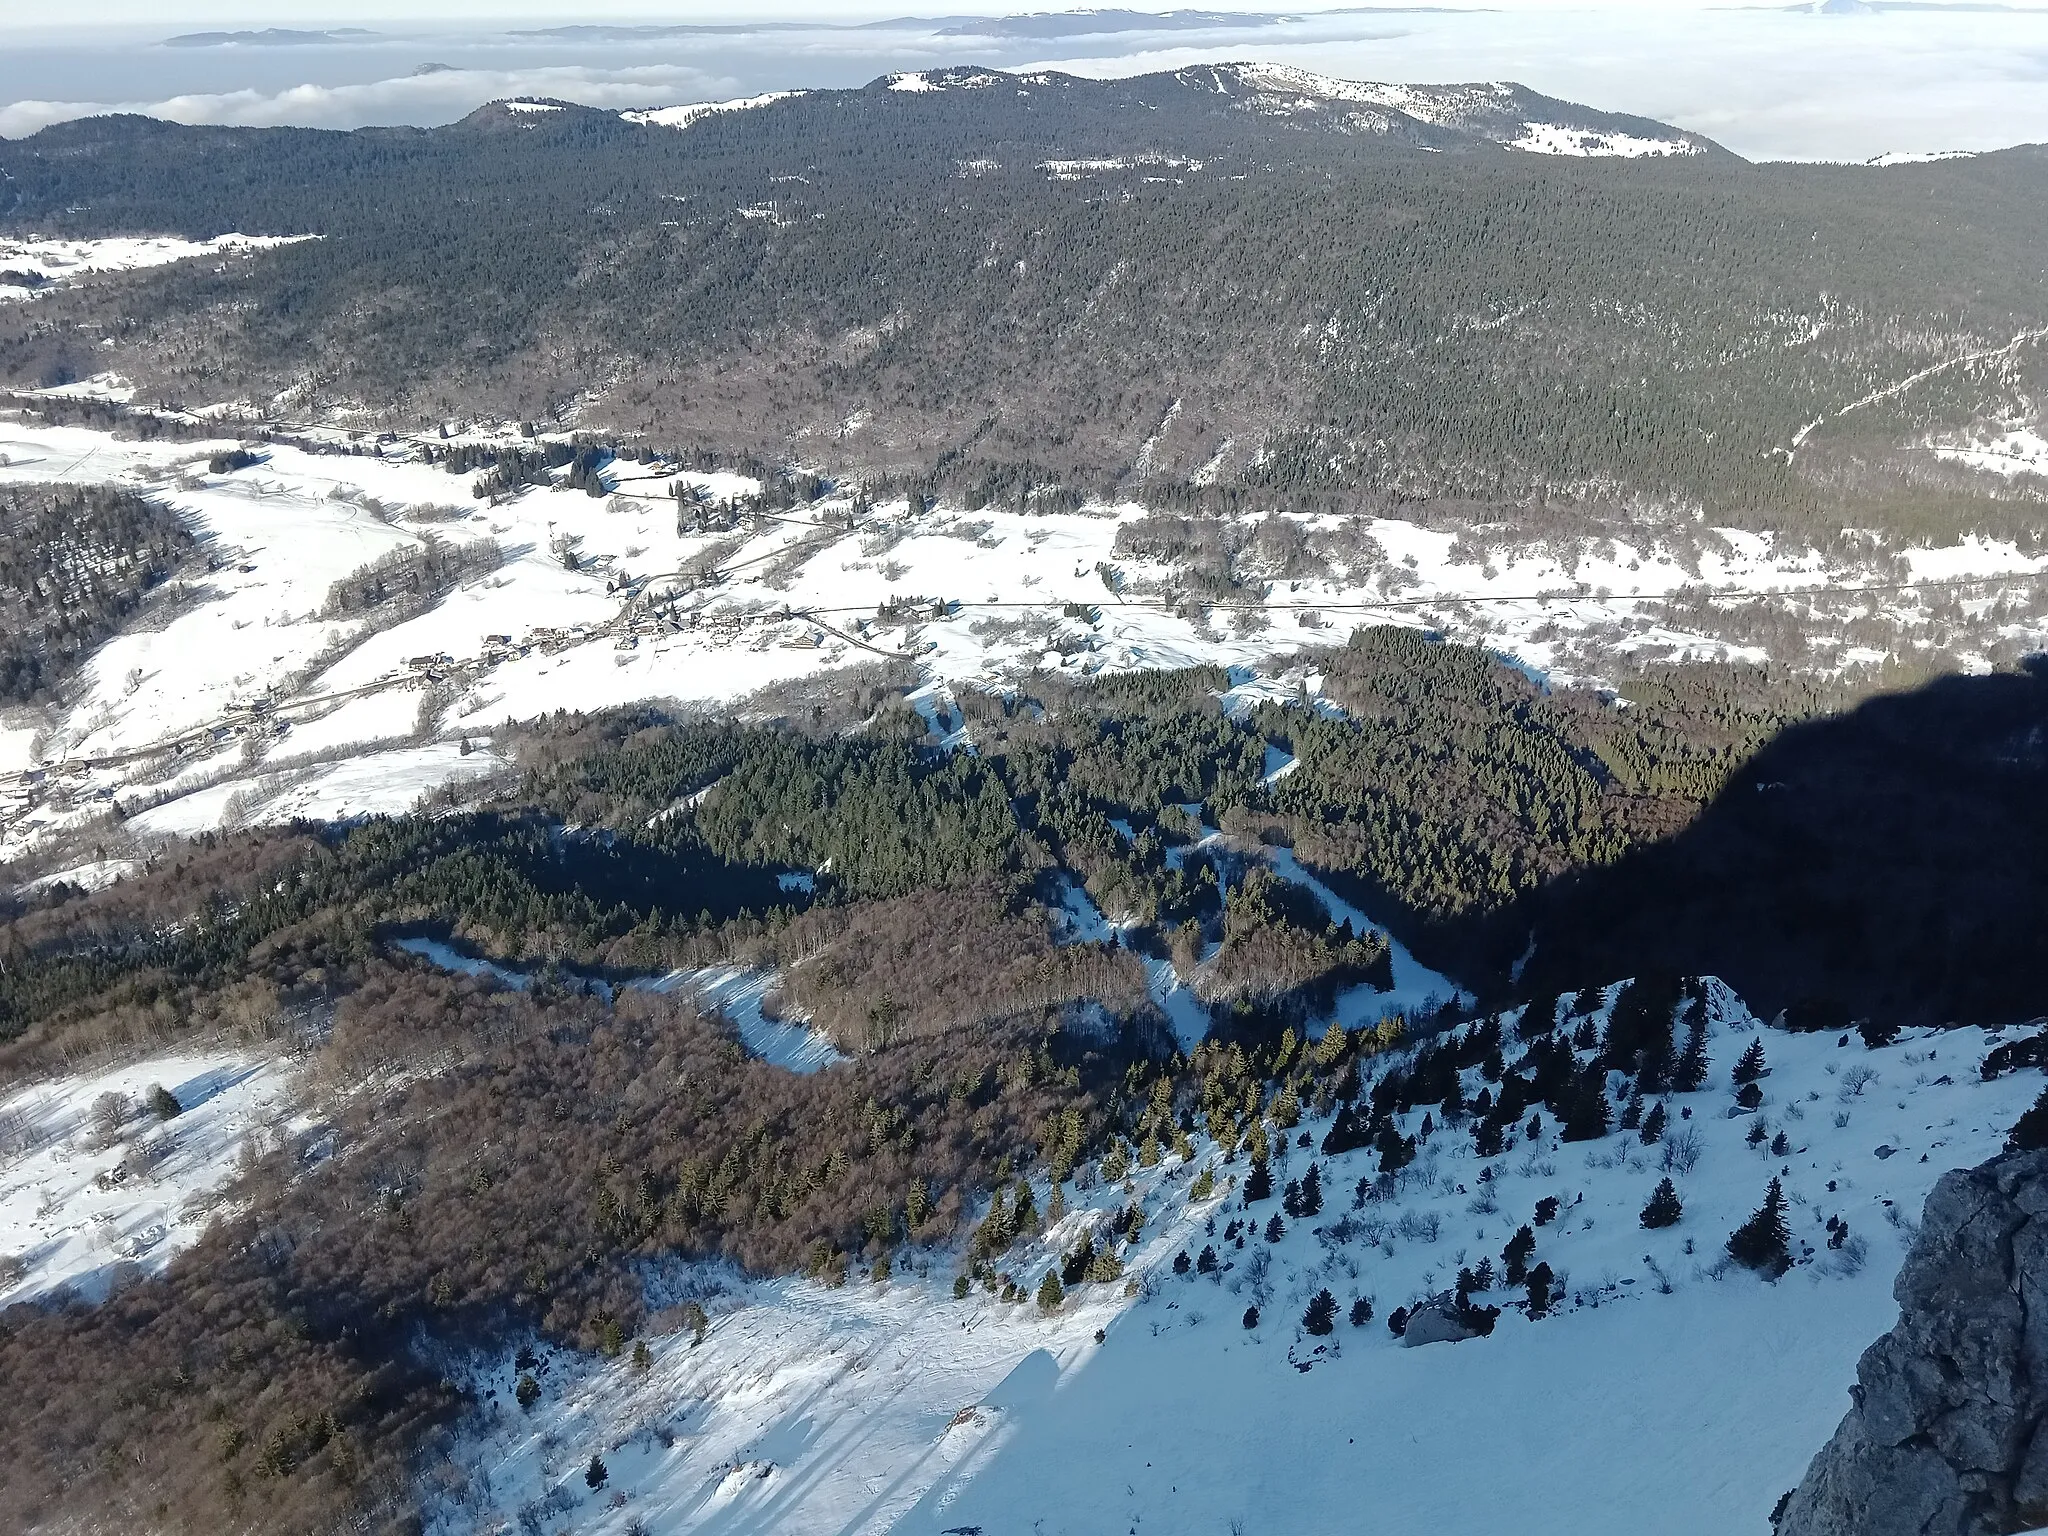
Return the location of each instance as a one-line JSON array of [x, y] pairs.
[[1665, 1207], [643, 1358], [1781, 1145], [1321, 1317], [1690, 1075], [1050, 1293], [1653, 1125], [1290, 1198], [1361, 1312], [696, 1321], [163, 1103], [1588, 1119], [1762, 1243], [1546, 1210], [1205, 1261], [1632, 1111], [1540, 1281], [1312, 1191], [1516, 1255], [1258, 1184], [1182, 1263], [596, 1474], [1757, 1133], [1749, 1066], [1251, 1317], [961, 1286], [1116, 1162], [527, 1392], [2030, 1131], [1275, 1229], [1203, 1187]]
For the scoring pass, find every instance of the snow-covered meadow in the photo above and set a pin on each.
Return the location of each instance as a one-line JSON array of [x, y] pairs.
[[96, 1179], [242, 703], [35, 264], [1669, 1390]]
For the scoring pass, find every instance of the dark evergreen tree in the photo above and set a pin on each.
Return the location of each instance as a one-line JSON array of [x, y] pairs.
[[1051, 1293], [1664, 1207], [1361, 1312], [527, 1392], [1762, 1243], [1690, 1075], [1251, 1317], [1546, 1210], [1749, 1066], [1540, 1281], [1312, 1191], [1321, 1316], [1290, 1198], [1653, 1125], [1205, 1261], [1516, 1255], [1632, 1111], [595, 1475], [2030, 1131], [1396, 1151], [1275, 1229], [1781, 1145], [1588, 1120], [1258, 1184]]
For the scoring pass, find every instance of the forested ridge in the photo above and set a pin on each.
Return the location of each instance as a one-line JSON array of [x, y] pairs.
[[75, 563], [1344, 318]]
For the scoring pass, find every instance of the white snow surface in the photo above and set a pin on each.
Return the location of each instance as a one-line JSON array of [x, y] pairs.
[[894, 1407], [683, 116], [77, 1208], [63, 261], [1557, 139]]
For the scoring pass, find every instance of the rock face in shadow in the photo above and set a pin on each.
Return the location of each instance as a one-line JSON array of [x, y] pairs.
[[1948, 1435]]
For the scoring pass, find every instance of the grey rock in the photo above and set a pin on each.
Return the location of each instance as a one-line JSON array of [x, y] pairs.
[[1947, 1434], [1436, 1321]]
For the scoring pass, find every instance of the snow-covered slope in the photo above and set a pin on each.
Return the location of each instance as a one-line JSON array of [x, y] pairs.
[[1668, 1391], [683, 116], [94, 1179], [55, 262], [1502, 112]]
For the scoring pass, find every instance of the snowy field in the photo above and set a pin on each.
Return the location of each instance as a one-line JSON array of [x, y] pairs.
[[1669, 1391], [49, 263], [95, 1180], [245, 704]]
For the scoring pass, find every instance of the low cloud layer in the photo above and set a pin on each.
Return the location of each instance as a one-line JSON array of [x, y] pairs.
[[1768, 84]]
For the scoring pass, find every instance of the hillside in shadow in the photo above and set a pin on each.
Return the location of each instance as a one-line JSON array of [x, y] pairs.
[[1890, 862]]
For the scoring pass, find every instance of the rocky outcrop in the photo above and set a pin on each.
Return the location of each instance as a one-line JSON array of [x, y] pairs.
[[1948, 1432]]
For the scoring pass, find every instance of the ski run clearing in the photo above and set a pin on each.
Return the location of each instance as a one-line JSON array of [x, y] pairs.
[[242, 704], [1669, 1391]]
